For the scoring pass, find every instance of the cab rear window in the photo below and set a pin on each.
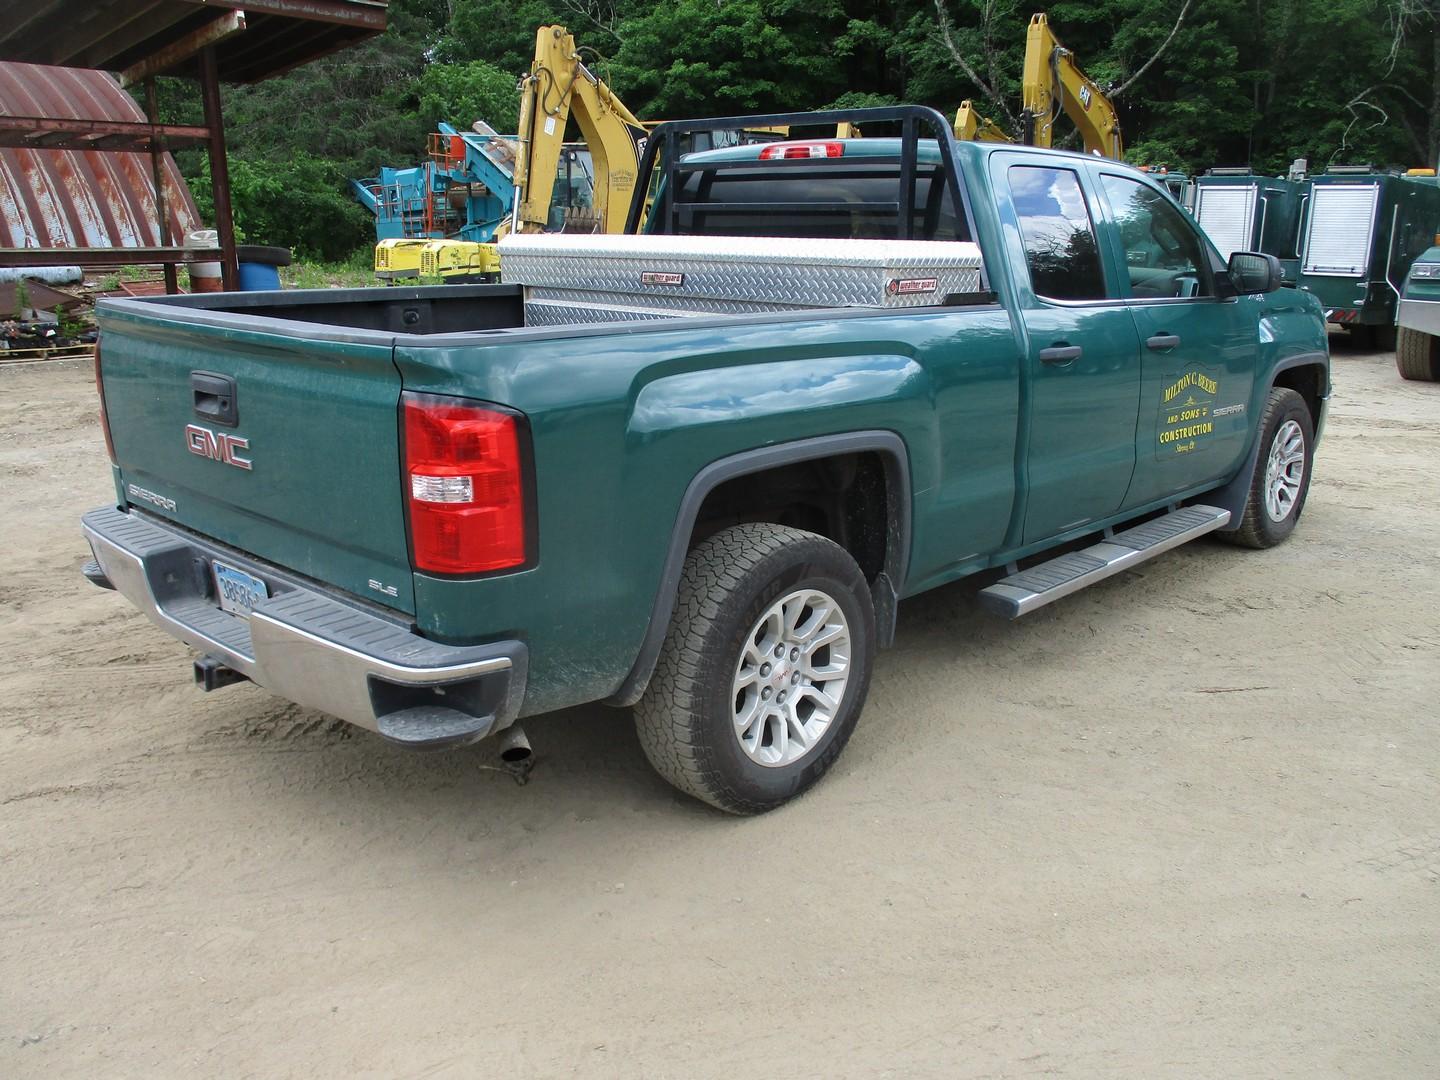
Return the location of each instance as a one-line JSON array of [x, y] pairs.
[[849, 201]]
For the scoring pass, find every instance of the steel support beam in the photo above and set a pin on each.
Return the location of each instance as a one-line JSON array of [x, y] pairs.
[[157, 170], [367, 14], [121, 256], [177, 52], [64, 133], [219, 168]]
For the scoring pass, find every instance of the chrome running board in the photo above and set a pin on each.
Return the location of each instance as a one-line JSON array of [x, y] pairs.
[[1023, 592]]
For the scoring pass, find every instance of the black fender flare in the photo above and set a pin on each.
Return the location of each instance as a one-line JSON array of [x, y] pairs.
[[884, 589], [1233, 495]]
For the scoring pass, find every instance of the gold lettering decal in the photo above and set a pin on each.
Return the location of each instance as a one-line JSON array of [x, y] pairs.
[[1189, 379]]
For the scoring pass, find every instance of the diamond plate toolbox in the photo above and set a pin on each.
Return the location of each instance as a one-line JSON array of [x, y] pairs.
[[598, 278]]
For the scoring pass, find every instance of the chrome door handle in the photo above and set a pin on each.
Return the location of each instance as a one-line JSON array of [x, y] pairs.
[[1060, 354]]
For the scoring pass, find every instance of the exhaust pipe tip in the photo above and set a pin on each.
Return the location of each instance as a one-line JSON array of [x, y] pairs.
[[515, 745], [515, 753]]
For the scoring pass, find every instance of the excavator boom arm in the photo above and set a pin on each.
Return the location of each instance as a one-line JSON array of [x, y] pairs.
[[1053, 82], [969, 124], [558, 87]]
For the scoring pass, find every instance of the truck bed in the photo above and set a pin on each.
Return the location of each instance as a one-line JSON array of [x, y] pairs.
[[574, 280], [430, 309]]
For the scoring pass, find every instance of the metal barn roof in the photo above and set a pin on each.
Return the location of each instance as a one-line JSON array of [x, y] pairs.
[[49, 203], [81, 198], [122, 35]]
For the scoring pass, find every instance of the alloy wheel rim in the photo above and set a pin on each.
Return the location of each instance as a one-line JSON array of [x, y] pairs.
[[1284, 471], [791, 677]]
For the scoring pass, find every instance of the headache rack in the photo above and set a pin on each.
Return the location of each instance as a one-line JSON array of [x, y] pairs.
[[667, 172]]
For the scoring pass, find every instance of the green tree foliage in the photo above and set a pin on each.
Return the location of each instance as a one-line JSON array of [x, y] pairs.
[[503, 32], [698, 58], [465, 92], [1237, 82], [301, 202]]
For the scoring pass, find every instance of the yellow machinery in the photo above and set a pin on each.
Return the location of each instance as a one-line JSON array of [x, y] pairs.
[[396, 259], [452, 260], [969, 124], [459, 260], [1051, 82], [558, 87]]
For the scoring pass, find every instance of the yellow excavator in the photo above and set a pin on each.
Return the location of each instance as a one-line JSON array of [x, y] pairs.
[[1052, 82], [969, 124], [558, 88]]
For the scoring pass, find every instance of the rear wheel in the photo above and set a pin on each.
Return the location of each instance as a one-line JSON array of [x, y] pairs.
[[1282, 475], [1417, 355], [765, 670]]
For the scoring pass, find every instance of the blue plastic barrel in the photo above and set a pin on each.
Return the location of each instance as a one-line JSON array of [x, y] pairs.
[[258, 266]]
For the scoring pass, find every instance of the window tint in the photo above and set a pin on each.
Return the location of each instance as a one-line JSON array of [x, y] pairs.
[[1059, 237], [1164, 255]]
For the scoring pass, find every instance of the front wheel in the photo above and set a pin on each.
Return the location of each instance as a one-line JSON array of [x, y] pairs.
[[1417, 355], [1282, 475], [764, 671]]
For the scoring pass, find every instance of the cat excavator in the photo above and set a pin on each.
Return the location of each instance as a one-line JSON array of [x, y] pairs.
[[1052, 82]]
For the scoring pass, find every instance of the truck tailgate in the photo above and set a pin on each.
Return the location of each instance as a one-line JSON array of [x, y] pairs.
[[305, 474]]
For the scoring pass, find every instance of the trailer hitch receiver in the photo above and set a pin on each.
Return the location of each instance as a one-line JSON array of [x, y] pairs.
[[211, 673]]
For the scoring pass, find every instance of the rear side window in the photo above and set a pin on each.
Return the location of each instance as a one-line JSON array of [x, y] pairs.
[[1058, 233]]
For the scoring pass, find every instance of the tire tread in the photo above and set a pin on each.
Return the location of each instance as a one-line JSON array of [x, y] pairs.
[[1417, 355], [667, 718], [1252, 533]]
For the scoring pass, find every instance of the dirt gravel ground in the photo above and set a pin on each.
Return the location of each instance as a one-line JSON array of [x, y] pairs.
[[1183, 824]]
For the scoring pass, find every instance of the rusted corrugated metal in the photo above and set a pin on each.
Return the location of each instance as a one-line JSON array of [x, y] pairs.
[[74, 198], [116, 34]]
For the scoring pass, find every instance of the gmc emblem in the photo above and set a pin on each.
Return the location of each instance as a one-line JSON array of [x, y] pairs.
[[217, 446]]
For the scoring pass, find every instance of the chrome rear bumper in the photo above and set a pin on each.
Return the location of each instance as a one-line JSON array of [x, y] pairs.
[[308, 645]]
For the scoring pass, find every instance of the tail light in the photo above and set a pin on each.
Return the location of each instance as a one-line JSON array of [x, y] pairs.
[[466, 486], [802, 150], [104, 416]]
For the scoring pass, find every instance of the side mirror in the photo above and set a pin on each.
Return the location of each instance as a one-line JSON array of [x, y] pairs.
[[1255, 272]]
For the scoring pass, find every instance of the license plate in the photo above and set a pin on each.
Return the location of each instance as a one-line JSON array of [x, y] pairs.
[[238, 591]]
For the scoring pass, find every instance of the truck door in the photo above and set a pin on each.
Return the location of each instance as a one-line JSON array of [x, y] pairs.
[[1083, 352], [1198, 351]]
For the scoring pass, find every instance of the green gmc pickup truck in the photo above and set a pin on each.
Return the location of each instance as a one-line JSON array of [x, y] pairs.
[[693, 469]]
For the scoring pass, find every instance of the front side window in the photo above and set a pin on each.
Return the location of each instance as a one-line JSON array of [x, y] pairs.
[[1164, 256], [1059, 236]]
